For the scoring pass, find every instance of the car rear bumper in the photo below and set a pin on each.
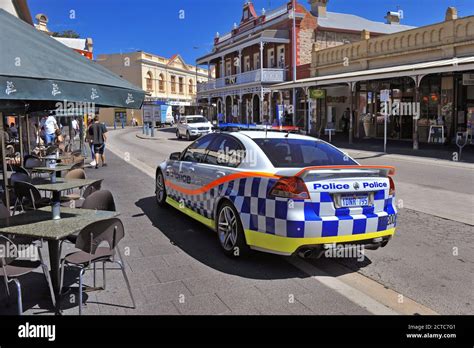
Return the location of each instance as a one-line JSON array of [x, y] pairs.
[[288, 246]]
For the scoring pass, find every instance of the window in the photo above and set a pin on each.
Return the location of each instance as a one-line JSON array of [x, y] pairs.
[[149, 81], [296, 153], [181, 85], [281, 57], [256, 61], [161, 83], [173, 84], [196, 152], [228, 67], [247, 63], [271, 58], [225, 151], [190, 86]]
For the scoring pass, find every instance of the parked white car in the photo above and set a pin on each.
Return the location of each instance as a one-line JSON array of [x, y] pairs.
[[192, 127]]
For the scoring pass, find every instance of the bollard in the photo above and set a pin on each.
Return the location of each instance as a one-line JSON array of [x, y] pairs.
[[152, 131]]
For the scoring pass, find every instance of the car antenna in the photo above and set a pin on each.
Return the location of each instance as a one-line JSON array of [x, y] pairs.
[[266, 130], [287, 134]]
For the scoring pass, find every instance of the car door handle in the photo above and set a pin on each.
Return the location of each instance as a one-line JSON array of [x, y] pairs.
[[191, 169], [220, 174]]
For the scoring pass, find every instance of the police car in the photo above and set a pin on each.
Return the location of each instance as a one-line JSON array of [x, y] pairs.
[[279, 192]]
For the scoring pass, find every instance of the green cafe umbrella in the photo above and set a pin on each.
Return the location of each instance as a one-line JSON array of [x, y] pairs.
[[38, 72]]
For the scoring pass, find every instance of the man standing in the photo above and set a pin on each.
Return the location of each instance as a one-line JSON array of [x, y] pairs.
[[75, 126], [97, 132], [50, 126]]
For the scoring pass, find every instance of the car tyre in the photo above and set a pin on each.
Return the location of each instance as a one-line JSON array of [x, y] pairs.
[[160, 189], [188, 136], [230, 231], [178, 134]]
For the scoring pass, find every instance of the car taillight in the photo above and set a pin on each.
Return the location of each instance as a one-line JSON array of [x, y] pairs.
[[391, 192], [290, 187]]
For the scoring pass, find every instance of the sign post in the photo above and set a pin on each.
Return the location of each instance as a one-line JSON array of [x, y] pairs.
[[385, 97]]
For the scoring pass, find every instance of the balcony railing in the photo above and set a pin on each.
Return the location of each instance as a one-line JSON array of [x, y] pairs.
[[268, 76]]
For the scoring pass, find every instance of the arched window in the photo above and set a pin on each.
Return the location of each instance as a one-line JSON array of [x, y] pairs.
[[191, 89], [149, 81], [161, 83]]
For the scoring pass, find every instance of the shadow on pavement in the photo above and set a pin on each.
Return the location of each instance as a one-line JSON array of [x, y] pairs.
[[202, 244]]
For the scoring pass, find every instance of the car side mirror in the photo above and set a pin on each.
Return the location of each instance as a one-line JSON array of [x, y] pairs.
[[175, 156]]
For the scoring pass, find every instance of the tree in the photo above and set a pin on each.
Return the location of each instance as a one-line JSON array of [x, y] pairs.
[[67, 33]]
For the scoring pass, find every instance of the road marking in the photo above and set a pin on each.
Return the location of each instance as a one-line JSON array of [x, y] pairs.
[[361, 290]]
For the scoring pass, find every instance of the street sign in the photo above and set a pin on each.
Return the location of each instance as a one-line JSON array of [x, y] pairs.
[[317, 93]]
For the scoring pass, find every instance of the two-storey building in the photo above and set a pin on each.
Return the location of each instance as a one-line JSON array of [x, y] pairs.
[[264, 49], [167, 81]]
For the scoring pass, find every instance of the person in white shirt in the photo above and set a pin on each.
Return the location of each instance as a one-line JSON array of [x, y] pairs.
[[50, 126], [75, 126]]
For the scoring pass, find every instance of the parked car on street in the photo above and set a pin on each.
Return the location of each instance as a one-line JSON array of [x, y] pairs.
[[279, 192], [192, 127]]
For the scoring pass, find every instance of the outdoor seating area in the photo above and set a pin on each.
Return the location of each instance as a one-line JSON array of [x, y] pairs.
[[48, 211], [47, 201]]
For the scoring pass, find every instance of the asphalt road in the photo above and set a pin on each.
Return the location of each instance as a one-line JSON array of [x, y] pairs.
[[430, 260]]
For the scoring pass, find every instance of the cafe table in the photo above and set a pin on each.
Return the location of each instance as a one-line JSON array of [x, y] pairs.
[[53, 170], [60, 185], [38, 225]]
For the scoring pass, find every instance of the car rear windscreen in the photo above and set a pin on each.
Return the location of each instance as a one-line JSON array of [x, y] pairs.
[[296, 153]]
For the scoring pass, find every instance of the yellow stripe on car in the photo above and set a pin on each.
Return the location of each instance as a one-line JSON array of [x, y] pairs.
[[287, 245]]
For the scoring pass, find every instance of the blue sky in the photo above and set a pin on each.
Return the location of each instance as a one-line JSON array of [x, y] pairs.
[[155, 25]]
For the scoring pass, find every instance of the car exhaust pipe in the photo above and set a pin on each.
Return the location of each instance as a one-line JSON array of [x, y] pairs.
[[305, 253]]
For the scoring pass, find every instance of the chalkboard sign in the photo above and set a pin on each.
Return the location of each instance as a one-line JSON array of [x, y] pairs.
[[436, 134]]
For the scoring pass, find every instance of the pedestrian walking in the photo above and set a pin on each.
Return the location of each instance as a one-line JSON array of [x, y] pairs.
[[50, 127], [98, 135]]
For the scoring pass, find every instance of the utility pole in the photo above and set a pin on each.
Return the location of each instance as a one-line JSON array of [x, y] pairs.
[[294, 59]]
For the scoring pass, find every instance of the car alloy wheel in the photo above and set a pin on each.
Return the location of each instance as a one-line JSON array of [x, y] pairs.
[[160, 189], [230, 231], [227, 228]]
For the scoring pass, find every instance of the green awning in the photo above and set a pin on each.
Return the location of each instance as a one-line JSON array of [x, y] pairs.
[[40, 71]]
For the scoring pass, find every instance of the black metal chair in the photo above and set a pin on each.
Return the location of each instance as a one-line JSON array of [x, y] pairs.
[[11, 268], [31, 162], [19, 169], [28, 196], [90, 252], [98, 200]]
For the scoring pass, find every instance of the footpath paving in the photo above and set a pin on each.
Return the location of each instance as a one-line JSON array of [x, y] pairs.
[[175, 267]]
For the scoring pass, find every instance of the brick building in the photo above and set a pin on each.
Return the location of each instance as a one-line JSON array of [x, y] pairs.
[[258, 53]]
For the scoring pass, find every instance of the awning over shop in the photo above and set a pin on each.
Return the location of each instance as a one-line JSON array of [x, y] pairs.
[[40, 71], [435, 67]]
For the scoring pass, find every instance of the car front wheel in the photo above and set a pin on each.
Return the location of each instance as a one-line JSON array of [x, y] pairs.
[[188, 136], [230, 231], [160, 189]]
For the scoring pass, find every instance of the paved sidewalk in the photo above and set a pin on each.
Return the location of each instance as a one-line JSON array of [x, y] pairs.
[[176, 266], [434, 151]]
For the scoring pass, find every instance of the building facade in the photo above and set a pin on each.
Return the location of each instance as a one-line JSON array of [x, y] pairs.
[[267, 49], [423, 76], [167, 81]]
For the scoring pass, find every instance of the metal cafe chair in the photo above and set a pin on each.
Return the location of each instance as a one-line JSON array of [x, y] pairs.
[[74, 174], [90, 252], [98, 200], [11, 269], [28, 196]]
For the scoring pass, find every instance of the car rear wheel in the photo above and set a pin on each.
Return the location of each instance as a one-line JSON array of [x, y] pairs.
[[160, 189], [178, 134], [230, 231]]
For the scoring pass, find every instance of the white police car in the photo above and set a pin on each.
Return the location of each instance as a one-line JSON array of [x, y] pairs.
[[279, 192]]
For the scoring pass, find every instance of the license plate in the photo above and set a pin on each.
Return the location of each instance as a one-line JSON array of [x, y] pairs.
[[357, 201]]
